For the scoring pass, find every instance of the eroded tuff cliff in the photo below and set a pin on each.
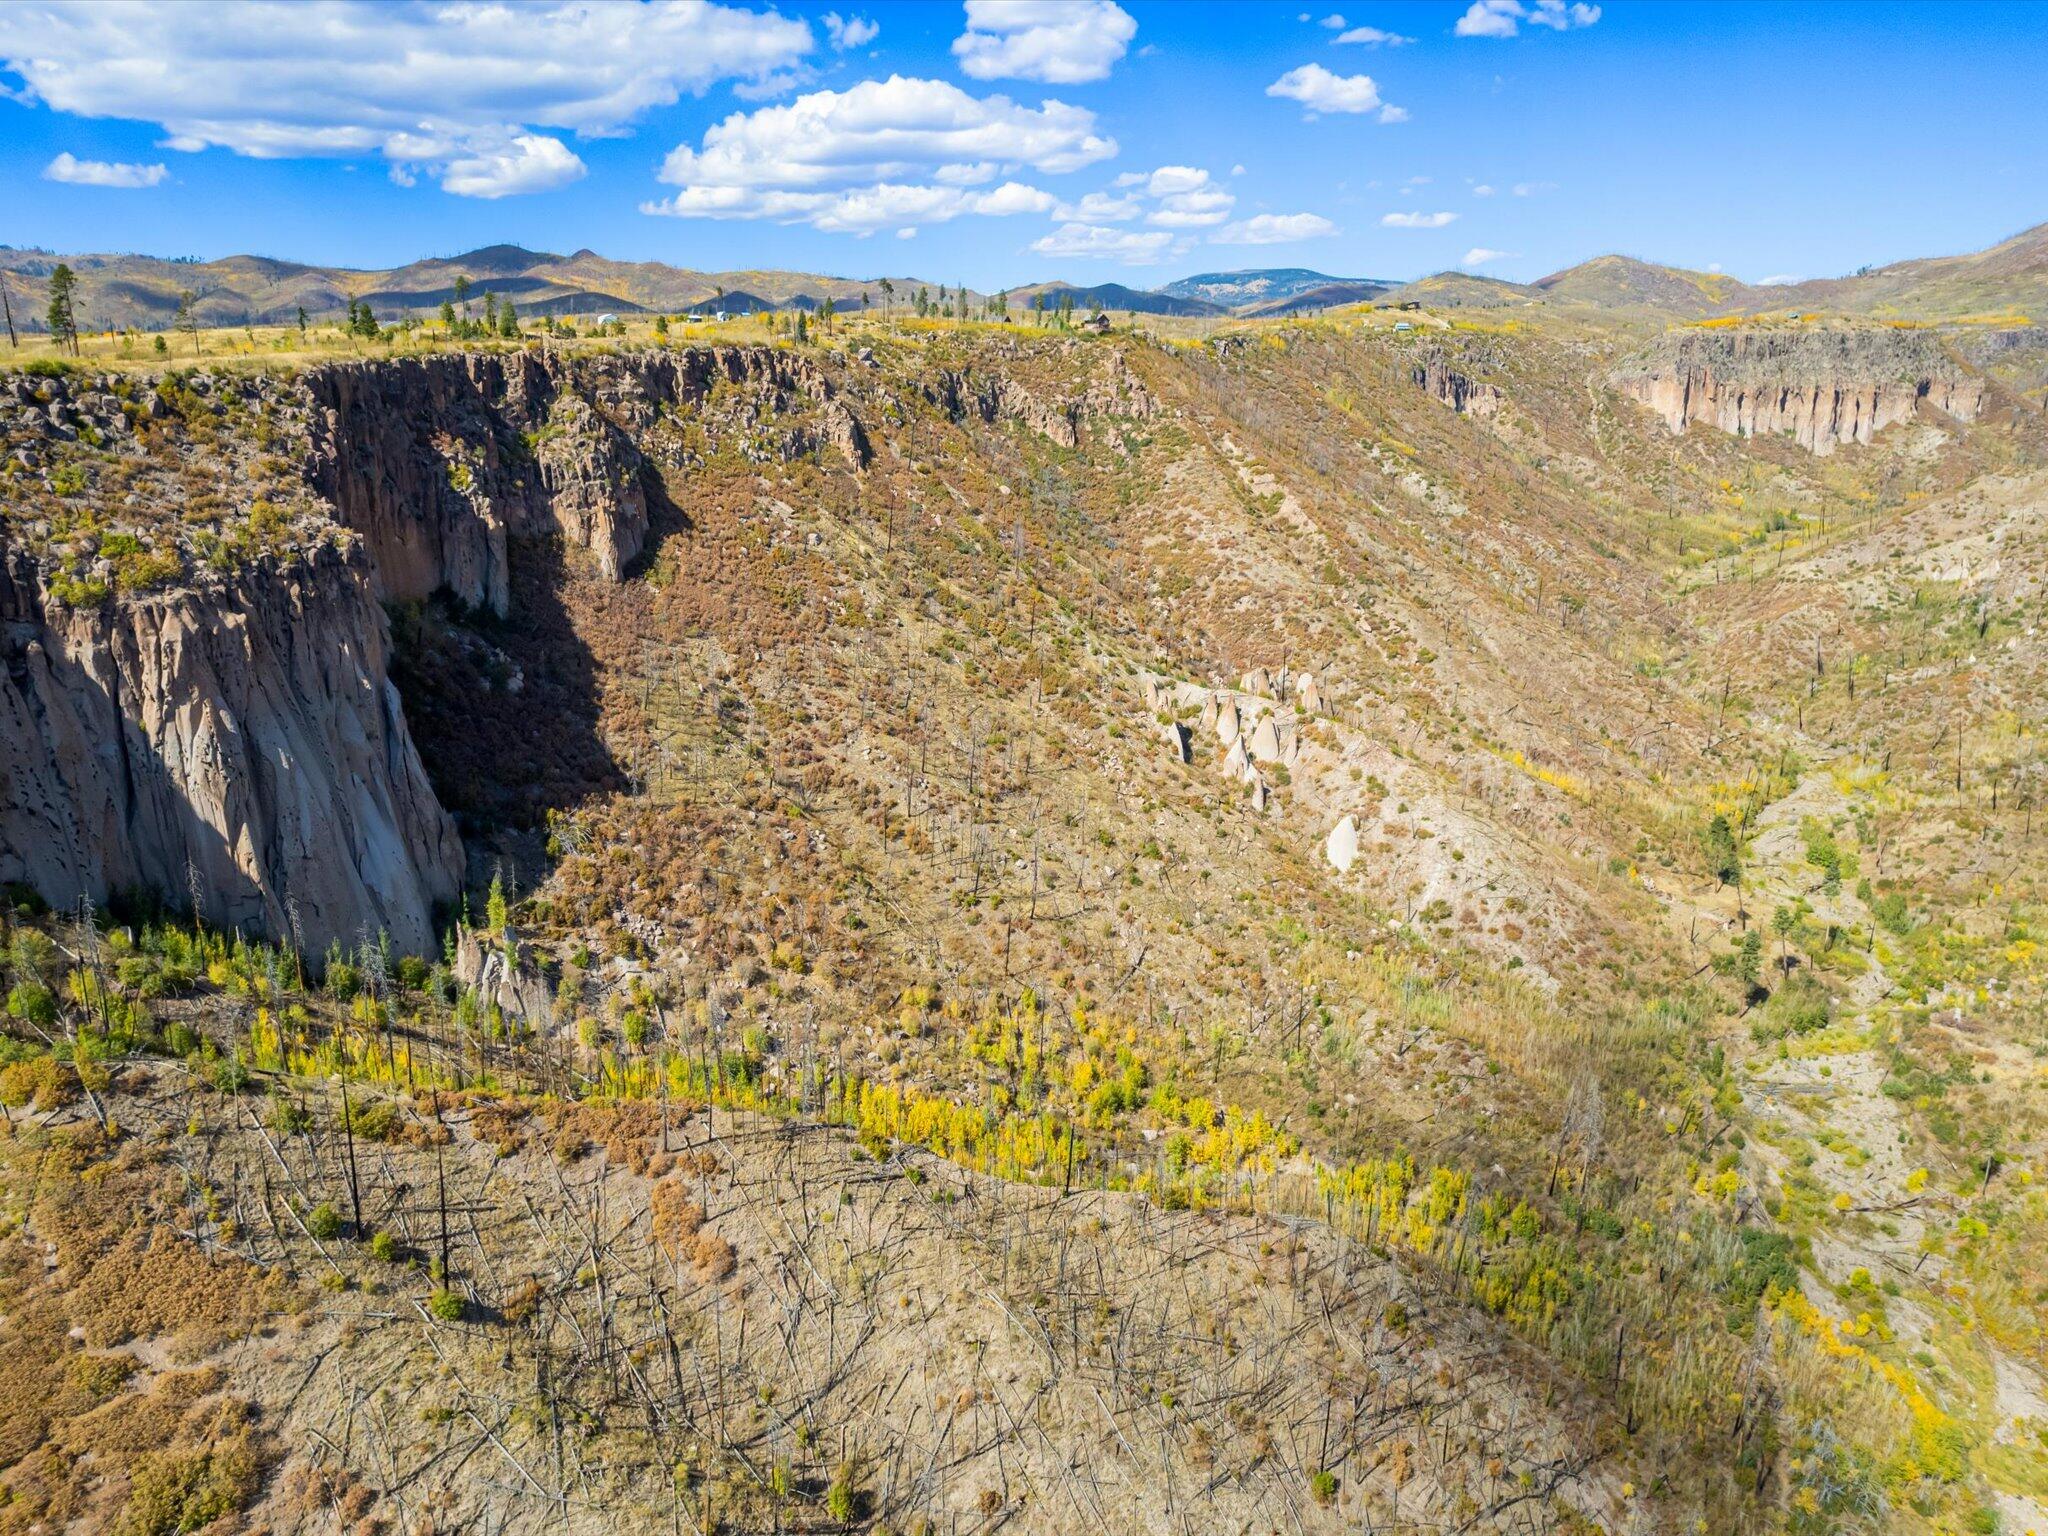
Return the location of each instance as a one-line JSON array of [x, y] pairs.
[[1824, 388], [194, 694], [238, 738], [437, 461]]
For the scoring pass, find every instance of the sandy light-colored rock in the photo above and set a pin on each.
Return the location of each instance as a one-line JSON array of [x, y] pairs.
[[1342, 847], [1824, 388], [242, 739]]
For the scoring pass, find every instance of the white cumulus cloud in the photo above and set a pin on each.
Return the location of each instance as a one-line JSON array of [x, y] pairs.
[[880, 154], [103, 173], [1373, 37], [1320, 90], [846, 32], [1061, 42], [525, 162], [1274, 229], [1479, 256], [1418, 220], [464, 90], [1136, 247], [1503, 18]]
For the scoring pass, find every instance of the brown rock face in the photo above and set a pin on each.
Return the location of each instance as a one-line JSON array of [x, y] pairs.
[[591, 474], [1434, 375], [436, 461], [242, 738], [1822, 388]]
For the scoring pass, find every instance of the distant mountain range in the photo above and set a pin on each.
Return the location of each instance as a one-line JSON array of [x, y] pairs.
[[117, 291]]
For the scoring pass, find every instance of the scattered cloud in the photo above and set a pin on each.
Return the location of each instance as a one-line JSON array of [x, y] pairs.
[[1393, 114], [1503, 18], [1418, 220], [1780, 280], [1171, 197], [1319, 90], [1373, 37], [1560, 17], [460, 91], [103, 173], [1100, 208], [1482, 190], [1133, 246], [1534, 188], [879, 154], [1479, 256], [1237, 170], [525, 162], [1061, 42], [1274, 229], [1333, 21], [850, 31]]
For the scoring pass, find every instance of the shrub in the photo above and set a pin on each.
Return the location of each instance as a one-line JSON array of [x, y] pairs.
[[42, 1081], [169, 1494], [323, 1222], [1322, 1486], [32, 1003], [842, 1499], [447, 1305]]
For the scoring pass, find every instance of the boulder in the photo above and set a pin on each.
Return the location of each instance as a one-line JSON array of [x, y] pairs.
[[1180, 741], [496, 975], [1307, 694]]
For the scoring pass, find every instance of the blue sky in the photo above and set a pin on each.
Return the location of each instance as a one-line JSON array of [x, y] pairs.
[[1009, 140]]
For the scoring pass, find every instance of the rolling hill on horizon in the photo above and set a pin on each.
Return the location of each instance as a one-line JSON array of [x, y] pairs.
[[121, 290]]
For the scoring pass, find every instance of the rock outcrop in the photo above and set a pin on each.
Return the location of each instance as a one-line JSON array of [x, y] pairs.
[[495, 974], [437, 461], [591, 473], [962, 393], [1824, 388], [1433, 374], [240, 738]]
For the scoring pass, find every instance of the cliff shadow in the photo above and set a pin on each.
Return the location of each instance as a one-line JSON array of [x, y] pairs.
[[507, 711], [665, 518]]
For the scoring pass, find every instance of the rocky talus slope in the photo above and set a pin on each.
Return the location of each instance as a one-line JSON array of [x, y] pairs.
[[1824, 388]]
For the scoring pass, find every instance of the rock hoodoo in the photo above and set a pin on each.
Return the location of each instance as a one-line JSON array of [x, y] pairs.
[[1342, 847]]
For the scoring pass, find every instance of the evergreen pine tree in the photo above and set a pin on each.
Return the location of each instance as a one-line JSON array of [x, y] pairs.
[[63, 320]]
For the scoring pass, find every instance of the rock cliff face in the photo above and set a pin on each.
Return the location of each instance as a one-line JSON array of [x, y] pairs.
[[1822, 387], [437, 461], [1433, 374], [240, 738]]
